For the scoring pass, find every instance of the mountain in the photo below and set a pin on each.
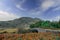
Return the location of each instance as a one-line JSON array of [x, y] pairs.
[[19, 23]]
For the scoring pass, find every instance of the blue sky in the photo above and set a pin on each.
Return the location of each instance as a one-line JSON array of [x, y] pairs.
[[43, 9]]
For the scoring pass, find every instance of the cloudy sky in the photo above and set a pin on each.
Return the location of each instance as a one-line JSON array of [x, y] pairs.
[[43, 9]]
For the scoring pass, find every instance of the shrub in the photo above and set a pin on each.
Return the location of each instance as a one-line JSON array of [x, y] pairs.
[[57, 38], [19, 39]]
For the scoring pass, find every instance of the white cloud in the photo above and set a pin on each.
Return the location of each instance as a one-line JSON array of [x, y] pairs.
[[19, 5], [56, 9], [36, 13], [5, 16], [47, 4], [57, 18]]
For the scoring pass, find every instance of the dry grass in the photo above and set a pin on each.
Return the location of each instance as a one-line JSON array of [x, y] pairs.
[[29, 36], [11, 30]]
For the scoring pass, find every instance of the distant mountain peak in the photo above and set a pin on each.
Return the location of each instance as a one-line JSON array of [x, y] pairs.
[[20, 22]]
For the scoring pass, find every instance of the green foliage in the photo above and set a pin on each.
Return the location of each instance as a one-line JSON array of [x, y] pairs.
[[19, 39], [41, 39], [24, 22], [57, 38], [45, 24]]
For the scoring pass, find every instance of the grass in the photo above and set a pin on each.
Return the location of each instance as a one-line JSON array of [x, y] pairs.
[[9, 30], [30, 36]]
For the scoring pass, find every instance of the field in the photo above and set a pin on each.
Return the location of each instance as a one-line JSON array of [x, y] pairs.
[[9, 30], [12, 34], [30, 36]]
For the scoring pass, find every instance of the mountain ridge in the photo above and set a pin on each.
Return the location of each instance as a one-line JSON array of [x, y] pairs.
[[18, 23]]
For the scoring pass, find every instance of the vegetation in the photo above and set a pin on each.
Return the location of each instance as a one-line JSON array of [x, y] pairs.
[[46, 24], [27, 22], [18, 29], [30, 36], [57, 38], [22, 22]]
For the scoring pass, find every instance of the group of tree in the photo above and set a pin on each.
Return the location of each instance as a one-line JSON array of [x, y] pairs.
[[46, 24]]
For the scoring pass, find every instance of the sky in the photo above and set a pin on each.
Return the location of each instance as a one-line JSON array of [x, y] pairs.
[[43, 9]]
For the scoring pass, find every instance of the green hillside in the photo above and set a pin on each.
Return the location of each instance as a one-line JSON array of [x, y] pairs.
[[46, 24], [18, 23], [28, 22]]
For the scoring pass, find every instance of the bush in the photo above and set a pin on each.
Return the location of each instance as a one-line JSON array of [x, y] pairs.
[[19, 39], [57, 38], [41, 38]]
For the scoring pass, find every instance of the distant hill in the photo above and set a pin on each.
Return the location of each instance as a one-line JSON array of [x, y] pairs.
[[19, 23]]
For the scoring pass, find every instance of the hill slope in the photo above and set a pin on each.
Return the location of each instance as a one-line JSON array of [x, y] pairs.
[[20, 22]]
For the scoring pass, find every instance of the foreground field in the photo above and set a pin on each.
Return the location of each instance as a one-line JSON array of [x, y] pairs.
[[30, 36]]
